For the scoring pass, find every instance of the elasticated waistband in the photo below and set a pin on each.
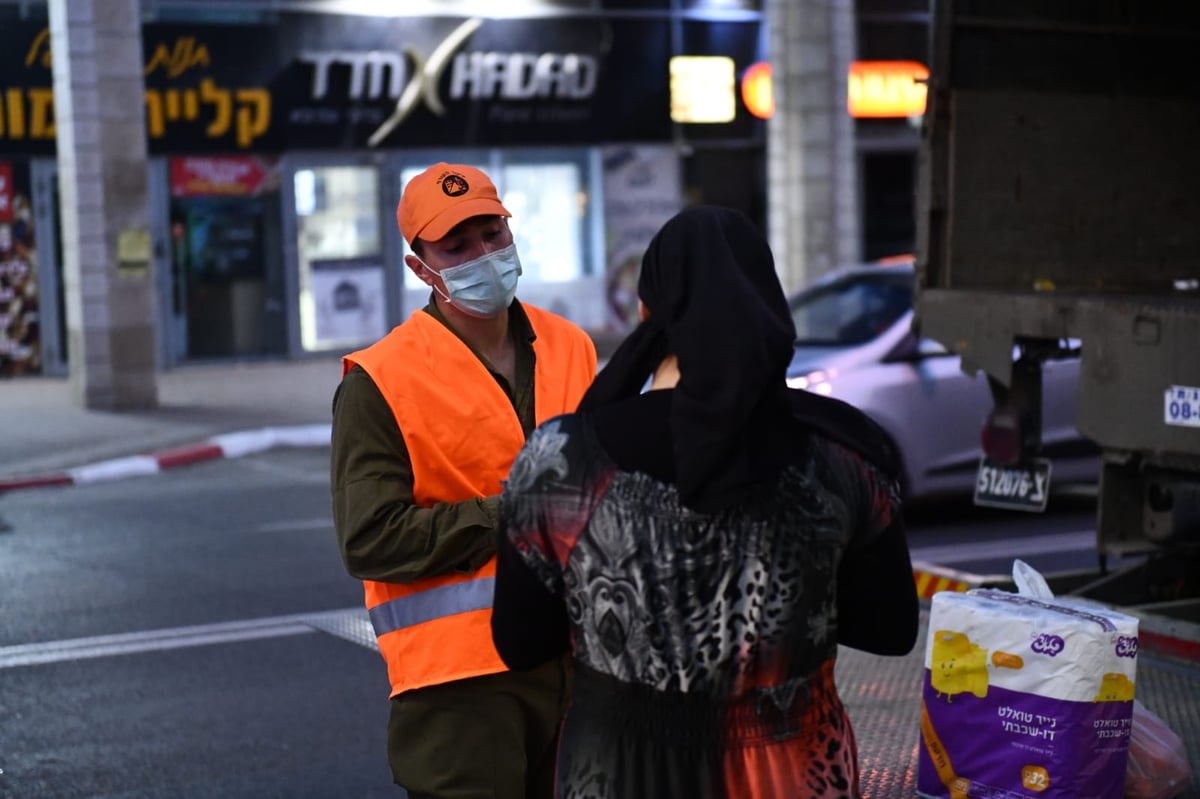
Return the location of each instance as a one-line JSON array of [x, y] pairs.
[[763, 714]]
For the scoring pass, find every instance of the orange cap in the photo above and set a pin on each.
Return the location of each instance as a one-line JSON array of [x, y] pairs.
[[441, 197]]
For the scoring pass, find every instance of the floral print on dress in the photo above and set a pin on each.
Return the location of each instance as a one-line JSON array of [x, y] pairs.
[[737, 606], [660, 595]]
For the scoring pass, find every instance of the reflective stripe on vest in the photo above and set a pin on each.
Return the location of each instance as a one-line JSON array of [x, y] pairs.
[[432, 603]]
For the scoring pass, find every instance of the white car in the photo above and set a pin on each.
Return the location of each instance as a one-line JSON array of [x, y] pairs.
[[854, 342]]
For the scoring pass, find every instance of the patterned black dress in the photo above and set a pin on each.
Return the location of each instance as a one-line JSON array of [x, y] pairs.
[[704, 644]]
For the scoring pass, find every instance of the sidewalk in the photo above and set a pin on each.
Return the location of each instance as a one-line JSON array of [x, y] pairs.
[[45, 433]]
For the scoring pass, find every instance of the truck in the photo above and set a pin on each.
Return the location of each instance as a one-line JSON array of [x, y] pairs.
[[1058, 206]]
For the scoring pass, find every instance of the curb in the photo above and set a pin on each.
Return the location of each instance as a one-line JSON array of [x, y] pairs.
[[930, 579], [1167, 637], [228, 445]]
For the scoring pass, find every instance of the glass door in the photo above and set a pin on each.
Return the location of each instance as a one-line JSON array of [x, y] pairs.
[[341, 281], [219, 246], [222, 286], [551, 193], [416, 294]]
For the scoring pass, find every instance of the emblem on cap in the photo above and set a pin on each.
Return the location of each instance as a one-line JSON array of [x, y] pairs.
[[455, 185]]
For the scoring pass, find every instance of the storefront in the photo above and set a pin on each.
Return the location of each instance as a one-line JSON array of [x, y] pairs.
[[279, 150]]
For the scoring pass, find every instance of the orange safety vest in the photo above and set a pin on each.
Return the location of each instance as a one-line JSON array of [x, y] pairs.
[[462, 434]]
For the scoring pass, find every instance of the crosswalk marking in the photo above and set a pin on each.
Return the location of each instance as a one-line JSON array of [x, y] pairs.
[[295, 524], [350, 624]]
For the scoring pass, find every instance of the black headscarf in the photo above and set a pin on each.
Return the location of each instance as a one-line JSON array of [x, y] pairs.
[[708, 280]]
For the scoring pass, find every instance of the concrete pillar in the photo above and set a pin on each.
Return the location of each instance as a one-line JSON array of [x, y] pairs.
[[812, 173], [100, 126]]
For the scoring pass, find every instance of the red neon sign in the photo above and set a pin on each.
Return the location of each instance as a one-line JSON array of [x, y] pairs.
[[882, 89], [756, 90]]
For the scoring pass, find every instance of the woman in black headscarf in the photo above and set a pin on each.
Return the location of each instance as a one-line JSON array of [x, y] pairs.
[[702, 547]]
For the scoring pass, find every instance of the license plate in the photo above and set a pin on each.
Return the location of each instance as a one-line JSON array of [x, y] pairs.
[[1181, 406], [1022, 486]]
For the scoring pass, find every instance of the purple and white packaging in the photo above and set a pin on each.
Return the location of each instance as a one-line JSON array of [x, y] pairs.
[[1025, 697]]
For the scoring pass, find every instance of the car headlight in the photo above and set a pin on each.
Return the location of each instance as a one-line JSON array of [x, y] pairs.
[[817, 381]]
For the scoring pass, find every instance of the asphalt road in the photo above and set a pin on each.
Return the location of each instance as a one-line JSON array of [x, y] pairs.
[[236, 554], [952, 532], [193, 634]]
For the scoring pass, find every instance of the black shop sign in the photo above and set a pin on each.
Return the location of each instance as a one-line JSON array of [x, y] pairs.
[[350, 82]]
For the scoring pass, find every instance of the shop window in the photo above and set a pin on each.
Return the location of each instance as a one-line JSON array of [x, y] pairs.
[[547, 196], [411, 281], [547, 203], [340, 249]]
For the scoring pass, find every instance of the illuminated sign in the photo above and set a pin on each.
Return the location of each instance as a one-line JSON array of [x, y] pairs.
[[28, 113], [882, 89], [702, 89], [757, 93], [216, 176], [335, 82], [216, 109], [489, 75]]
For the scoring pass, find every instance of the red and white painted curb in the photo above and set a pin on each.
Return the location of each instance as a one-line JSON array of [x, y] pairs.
[[229, 445], [930, 579]]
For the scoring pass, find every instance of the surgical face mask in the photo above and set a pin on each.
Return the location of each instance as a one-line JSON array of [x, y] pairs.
[[484, 286]]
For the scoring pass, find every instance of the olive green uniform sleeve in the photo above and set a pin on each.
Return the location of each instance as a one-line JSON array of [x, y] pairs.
[[382, 534]]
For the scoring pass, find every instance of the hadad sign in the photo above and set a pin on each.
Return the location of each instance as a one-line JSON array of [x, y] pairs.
[[347, 82]]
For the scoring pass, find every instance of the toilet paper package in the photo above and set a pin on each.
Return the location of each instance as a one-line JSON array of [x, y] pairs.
[[1025, 697]]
